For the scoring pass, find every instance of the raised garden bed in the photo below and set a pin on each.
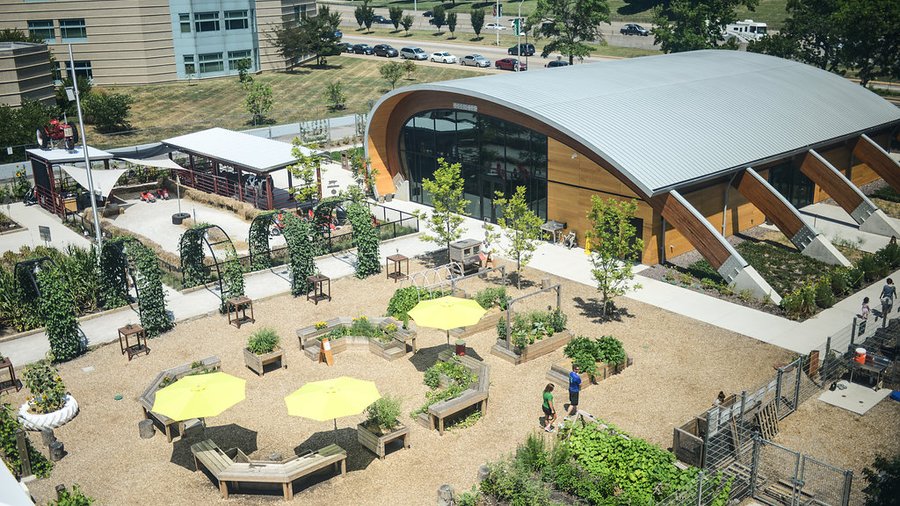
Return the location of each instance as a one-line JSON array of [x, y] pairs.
[[488, 321], [540, 348], [257, 363], [559, 372], [451, 397], [376, 441], [392, 348]]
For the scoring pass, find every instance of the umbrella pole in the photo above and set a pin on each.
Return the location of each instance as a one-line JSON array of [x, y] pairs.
[[335, 424], [448, 338]]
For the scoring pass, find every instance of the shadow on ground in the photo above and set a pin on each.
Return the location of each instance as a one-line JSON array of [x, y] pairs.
[[593, 308]]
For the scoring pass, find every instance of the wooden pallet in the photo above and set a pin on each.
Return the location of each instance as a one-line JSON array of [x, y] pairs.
[[767, 420]]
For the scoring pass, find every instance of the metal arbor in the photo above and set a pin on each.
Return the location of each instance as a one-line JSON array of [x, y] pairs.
[[194, 269], [25, 272], [258, 238]]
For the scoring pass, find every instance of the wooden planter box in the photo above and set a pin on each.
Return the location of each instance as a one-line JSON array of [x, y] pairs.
[[559, 372], [376, 442], [258, 362], [532, 351], [489, 321], [390, 350]]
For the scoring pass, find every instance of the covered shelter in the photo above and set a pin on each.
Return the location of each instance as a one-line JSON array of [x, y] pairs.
[[709, 143], [236, 165], [54, 188]]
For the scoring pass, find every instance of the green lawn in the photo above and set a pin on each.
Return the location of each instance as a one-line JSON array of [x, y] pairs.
[[489, 39], [166, 110], [770, 11]]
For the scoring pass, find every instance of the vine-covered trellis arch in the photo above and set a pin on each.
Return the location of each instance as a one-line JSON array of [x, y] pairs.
[[126, 262], [25, 276], [194, 269], [258, 239]]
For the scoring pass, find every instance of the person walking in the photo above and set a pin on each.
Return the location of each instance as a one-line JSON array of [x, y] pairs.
[[888, 293], [547, 407], [863, 315], [574, 390]]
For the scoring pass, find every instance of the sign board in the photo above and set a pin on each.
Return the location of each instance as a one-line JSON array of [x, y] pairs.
[[325, 353], [45, 233], [517, 26]]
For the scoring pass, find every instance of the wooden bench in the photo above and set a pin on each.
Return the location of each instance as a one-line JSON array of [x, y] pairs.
[[240, 469], [149, 396], [476, 394]]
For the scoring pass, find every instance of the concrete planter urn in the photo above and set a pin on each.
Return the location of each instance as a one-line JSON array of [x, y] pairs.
[[40, 421]]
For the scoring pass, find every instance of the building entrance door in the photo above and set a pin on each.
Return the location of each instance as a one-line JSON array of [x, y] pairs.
[[792, 184]]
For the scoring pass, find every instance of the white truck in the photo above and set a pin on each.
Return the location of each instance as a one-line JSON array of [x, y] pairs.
[[745, 31]]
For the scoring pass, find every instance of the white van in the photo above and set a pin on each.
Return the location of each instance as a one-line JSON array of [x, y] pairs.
[[745, 31], [413, 53]]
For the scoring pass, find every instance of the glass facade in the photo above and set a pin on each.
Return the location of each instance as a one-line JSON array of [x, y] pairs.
[[495, 155]]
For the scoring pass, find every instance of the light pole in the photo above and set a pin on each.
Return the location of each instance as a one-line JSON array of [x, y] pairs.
[[87, 161], [497, 21], [519, 38]]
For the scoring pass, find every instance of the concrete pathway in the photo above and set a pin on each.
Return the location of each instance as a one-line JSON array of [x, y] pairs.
[[835, 224], [31, 217]]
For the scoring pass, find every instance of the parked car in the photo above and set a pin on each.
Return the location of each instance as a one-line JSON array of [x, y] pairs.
[[494, 26], [345, 47], [428, 14], [521, 50], [362, 49], [381, 20], [634, 29], [510, 64], [557, 63], [413, 53], [385, 50], [338, 34], [443, 57], [475, 60]]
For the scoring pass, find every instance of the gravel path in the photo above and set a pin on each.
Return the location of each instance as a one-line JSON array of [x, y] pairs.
[[679, 367]]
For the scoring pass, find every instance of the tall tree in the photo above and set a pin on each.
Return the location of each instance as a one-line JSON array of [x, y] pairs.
[[306, 171], [407, 22], [451, 23], [871, 37], [688, 25], [368, 15], [392, 72], [108, 111], [439, 17], [614, 246], [811, 34], [396, 14], [521, 226], [311, 36], [360, 16], [570, 25], [445, 221], [477, 18]]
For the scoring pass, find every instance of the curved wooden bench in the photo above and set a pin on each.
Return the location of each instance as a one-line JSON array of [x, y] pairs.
[[477, 393], [240, 469], [149, 396]]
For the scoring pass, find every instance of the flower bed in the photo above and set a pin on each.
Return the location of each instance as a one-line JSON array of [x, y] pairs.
[[383, 336], [532, 335]]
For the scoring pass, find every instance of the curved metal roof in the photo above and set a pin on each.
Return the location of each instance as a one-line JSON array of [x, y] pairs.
[[668, 120]]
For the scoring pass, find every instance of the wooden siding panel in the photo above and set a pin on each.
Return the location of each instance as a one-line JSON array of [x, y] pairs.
[[581, 171]]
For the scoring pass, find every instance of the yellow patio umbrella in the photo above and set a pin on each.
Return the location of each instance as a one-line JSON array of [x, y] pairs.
[[332, 399], [199, 396], [447, 313]]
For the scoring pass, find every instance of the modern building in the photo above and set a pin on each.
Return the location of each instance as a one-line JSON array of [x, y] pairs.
[[25, 74], [151, 41], [709, 143]]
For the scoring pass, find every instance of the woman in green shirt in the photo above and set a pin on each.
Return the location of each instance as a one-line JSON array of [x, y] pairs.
[[547, 407]]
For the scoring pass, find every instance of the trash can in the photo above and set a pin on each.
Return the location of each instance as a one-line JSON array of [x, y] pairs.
[[177, 218], [460, 347], [860, 355]]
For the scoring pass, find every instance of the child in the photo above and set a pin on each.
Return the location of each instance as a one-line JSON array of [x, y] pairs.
[[547, 407], [863, 315]]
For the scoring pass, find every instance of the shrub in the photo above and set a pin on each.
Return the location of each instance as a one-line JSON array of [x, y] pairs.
[[406, 298], [889, 257], [586, 352], [511, 484], [74, 498], [493, 297], [384, 413], [263, 341], [840, 280], [869, 267], [460, 379], [824, 294], [800, 303], [9, 448], [882, 481], [610, 350], [47, 388]]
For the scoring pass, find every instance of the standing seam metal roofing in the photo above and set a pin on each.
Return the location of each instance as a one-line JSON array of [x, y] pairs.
[[668, 120]]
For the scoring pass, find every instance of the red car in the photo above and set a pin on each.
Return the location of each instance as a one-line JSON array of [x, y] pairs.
[[510, 64]]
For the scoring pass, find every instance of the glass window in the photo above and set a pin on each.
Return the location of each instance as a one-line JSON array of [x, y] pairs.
[[184, 19], [206, 22], [211, 62], [235, 56], [299, 12], [72, 29], [42, 28], [189, 66], [57, 72], [236, 20], [83, 69]]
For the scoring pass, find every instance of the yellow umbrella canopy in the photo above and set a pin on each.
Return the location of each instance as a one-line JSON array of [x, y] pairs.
[[199, 396], [332, 399], [447, 313]]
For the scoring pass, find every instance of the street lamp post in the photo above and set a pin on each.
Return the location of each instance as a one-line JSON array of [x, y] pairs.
[[497, 22], [87, 161]]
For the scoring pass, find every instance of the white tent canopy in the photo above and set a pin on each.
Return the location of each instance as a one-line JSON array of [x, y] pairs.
[[104, 180], [164, 163]]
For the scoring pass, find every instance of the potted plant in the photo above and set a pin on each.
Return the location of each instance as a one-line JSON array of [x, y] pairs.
[[262, 349], [49, 406], [382, 426]]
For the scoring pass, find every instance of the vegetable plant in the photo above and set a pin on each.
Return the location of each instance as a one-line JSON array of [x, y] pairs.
[[47, 388], [263, 341], [384, 413]]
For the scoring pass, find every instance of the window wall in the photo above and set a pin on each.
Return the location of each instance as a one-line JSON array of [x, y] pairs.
[[495, 155], [72, 29]]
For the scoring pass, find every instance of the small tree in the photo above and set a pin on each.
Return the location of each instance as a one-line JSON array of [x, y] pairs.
[[359, 14], [306, 171], [477, 18], [396, 15], [445, 221], [883, 481], [451, 23], [410, 68], [368, 15], [365, 238], [335, 96], [521, 226], [407, 22], [392, 72], [108, 111], [439, 18], [259, 101], [243, 68], [614, 246], [58, 313]]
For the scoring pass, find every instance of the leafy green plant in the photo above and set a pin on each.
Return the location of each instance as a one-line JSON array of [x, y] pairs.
[[586, 352], [232, 277], [113, 269], [365, 238], [258, 241], [74, 498], [301, 247], [193, 265], [824, 294], [460, 378], [407, 297], [151, 296], [263, 341], [9, 448], [610, 350], [384, 413], [882, 481], [493, 297], [58, 313], [532, 326], [48, 392]]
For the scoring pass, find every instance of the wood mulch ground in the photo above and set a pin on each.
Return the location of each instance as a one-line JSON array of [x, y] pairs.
[[679, 367]]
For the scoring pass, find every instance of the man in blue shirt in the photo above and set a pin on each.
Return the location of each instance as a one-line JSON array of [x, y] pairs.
[[574, 390]]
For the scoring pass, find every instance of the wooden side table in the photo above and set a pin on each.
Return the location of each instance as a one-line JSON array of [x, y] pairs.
[[12, 383], [133, 349], [318, 292], [394, 267], [237, 306]]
